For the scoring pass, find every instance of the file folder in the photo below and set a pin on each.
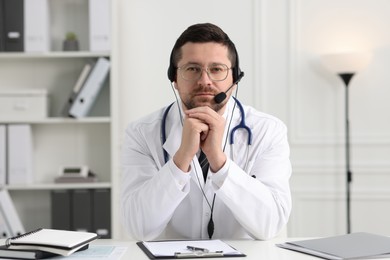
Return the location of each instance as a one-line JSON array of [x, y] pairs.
[[61, 209], [76, 88], [2, 27], [10, 214], [3, 154], [90, 90], [81, 210], [36, 26], [101, 213], [13, 25], [4, 230], [99, 25], [19, 154]]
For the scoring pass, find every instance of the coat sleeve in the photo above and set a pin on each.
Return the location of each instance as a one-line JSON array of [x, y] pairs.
[[149, 194], [264, 188]]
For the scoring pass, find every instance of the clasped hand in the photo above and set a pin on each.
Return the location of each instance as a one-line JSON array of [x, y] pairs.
[[202, 128]]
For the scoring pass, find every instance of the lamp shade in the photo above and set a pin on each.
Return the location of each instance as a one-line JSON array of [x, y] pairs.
[[346, 62]]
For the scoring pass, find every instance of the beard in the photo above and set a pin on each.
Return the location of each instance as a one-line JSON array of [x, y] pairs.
[[194, 101]]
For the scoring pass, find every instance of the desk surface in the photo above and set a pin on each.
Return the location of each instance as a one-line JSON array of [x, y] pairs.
[[253, 249]]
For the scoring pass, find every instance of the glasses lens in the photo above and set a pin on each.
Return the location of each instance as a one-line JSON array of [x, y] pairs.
[[192, 72], [218, 72]]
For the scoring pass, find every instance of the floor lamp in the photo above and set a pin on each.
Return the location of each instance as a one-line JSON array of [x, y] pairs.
[[346, 65]]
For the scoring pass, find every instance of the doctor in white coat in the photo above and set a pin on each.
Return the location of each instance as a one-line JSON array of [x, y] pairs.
[[245, 193]]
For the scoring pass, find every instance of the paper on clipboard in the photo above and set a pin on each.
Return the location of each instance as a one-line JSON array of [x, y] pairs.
[[161, 249]]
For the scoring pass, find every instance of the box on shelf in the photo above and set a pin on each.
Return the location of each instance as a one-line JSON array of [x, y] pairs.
[[23, 104]]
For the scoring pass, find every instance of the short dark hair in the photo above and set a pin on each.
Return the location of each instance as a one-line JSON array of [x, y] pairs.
[[203, 33]]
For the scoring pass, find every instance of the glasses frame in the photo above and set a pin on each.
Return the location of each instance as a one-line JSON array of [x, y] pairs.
[[206, 70]]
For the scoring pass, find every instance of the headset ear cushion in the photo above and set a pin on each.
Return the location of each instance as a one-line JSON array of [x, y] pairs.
[[171, 74], [171, 69], [236, 70], [235, 73]]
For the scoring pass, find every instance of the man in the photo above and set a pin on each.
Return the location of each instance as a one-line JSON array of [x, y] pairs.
[[245, 191]]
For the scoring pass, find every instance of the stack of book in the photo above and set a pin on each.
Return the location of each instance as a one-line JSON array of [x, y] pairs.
[[80, 174], [45, 243]]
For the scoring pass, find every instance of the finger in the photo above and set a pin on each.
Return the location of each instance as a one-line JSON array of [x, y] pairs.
[[203, 135], [205, 114]]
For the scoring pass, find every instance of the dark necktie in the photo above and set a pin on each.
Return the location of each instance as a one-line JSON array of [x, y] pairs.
[[204, 164]]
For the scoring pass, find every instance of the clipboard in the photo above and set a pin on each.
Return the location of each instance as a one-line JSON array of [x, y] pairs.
[[178, 249]]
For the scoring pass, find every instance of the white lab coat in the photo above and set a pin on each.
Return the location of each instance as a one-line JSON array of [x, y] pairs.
[[158, 201]]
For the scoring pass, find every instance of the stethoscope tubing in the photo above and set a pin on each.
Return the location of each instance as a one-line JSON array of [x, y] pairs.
[[242, 125]]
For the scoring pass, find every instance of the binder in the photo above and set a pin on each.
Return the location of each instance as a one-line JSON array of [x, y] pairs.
[[82, 210], [19, 154], [13, 25], [99, 25], [10, 214], [61, 209], [101, 212], [76, 88], [4, 230], [36, 25], [91, 88], [3, 154], [2, 25], [358, 245]]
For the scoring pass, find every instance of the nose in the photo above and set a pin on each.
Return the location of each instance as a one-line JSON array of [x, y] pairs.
[[204, 78]]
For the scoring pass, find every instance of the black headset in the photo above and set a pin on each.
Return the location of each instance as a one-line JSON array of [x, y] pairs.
[[235, 70]]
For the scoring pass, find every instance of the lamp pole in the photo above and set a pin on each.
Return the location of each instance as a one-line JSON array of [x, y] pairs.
[[346, 77]]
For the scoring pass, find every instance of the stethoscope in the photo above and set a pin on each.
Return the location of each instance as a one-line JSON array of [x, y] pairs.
[[241, 125]]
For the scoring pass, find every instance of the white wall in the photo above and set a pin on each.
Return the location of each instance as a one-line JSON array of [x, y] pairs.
[[317, 116], [279, 43]]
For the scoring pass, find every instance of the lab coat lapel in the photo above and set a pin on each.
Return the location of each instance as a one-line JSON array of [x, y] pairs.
[[172, 143]]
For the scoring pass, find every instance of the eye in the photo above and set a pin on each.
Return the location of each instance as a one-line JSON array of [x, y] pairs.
[[217, 69], [194, 69]]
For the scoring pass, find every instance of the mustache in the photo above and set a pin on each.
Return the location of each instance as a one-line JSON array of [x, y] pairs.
[[206, 89]]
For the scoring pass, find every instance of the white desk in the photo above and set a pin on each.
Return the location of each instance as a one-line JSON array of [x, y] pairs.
[[259, 250]]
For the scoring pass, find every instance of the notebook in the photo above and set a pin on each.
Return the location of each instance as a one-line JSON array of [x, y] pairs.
[[61, 242], [350, 246]]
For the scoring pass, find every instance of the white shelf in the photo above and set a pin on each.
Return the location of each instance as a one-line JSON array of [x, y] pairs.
[[59, 140], [58, 186], [59, 120], [57, 54]]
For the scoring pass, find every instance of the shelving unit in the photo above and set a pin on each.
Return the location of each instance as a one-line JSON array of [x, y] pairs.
[[60, 186], [57, 140], [54, 54]]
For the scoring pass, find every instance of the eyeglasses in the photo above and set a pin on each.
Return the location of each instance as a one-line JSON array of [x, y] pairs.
[[193, 72]]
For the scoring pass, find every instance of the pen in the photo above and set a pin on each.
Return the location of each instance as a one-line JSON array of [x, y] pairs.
[[194, 248]]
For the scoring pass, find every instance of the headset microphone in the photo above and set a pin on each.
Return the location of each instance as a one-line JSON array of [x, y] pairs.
[[221, 96]]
